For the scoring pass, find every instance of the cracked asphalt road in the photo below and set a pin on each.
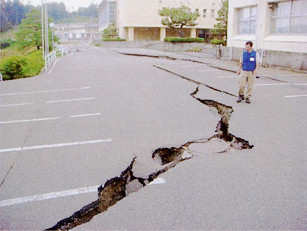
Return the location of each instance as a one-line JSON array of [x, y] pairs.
[[97, 95]]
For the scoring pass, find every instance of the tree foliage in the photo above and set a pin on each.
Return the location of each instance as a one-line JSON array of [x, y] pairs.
[[220, 29], [178, 17], [13, 11], [29, 32]]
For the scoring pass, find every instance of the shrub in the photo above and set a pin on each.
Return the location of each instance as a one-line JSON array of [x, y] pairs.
[[113, 39], [5, 43], [16, 67], [34, 64], [12, 68], [218, 42], [184, 40]]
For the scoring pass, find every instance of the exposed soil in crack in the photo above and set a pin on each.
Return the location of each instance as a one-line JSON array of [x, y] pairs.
[[224, 112], [118, 188], [129, 181]]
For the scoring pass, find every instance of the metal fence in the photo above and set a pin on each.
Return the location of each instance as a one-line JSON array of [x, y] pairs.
[[52, 56]]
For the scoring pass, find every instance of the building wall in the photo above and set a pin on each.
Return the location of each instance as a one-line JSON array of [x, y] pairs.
[[263, 39], [144, 14], [266, 41], [76, 31]]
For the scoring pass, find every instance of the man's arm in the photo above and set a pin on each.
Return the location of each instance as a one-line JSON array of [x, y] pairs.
[[240, 65], [239, 70]]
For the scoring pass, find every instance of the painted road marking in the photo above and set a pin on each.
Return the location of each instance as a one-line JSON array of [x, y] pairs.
[[53, 66], [48, 91], [26, 121], [272, 84], [16, 105], [54, 145], [207, 70], [47, 119], [48, 196], [295, 96], [66, 193], [70, 100], [85, 115], [229, 76], [194, 65]]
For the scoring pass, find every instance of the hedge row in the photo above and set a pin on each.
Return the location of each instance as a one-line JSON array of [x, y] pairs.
[[16, 67], [113, 39], [184, 40]]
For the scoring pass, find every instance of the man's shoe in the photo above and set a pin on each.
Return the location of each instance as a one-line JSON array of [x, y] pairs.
[[247, 100], [240, 98]]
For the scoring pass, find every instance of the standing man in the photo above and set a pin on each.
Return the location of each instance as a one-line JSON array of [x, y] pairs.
[[249, 62]]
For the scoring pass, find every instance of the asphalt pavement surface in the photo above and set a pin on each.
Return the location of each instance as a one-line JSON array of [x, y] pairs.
[[80, 123]]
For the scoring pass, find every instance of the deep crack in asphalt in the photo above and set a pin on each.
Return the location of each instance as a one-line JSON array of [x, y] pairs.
[[128, 182]]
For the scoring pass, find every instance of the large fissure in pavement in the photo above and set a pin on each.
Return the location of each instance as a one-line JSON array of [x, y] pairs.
[[130, 180]]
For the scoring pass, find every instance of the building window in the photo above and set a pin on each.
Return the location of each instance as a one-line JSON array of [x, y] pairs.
[[112, 12], [247, 20], [289, 17], [212, 13], [74, 35], [82, 35], [204, 13]]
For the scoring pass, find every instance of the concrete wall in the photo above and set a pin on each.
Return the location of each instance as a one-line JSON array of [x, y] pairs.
[[155, 45], [293, 60]]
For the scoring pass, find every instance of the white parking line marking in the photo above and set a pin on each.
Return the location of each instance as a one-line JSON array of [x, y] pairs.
[[16, 105], [25, 121], [300, 84], [49, 91], [207, 70], [85, 115], [53, 66], [70, 100], [54, 145], [66, 193], [47, 119], [48, 196], [229, 76], [193, 65], [295, 96], [272, 84]]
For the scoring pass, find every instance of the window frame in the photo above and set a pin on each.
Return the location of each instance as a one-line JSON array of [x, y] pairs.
[[277, 17], [252, 18]]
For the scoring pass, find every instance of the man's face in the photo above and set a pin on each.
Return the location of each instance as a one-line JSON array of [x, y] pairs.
[[248, 47]]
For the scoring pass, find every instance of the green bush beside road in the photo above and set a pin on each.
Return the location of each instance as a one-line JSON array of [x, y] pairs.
[[184, 40], [21, 66]]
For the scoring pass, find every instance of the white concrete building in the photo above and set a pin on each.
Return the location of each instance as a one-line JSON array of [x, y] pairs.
[[140, 20], [278, 29], [68, 32]]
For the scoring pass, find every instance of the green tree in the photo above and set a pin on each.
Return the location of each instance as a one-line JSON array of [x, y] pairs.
[[57, 11], [4, 19], [178, 17], [110, 32], [220, 29], [30, 31]]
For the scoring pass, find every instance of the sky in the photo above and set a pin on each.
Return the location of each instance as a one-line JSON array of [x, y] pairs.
[[72, 5]]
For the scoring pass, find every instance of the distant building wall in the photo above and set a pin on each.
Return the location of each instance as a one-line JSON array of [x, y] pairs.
[[277, 28], [134, 15], [68, 32]]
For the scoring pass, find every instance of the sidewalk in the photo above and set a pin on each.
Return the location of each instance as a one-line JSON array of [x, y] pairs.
[[206, 58]]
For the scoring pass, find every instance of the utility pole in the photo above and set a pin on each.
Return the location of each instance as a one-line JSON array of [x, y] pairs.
[[46, 31], [43, 37]]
